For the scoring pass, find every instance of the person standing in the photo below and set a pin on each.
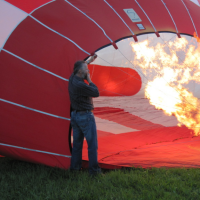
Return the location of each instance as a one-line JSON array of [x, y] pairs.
[[82, 118]]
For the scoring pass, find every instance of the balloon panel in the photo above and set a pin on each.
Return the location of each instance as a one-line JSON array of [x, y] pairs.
[[30, 129], [78, 24], [25, 85], [36, 44]]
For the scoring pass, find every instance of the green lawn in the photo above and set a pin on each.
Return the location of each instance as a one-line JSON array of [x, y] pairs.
[[20, 180]]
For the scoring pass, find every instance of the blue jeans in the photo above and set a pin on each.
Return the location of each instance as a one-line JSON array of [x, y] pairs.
[[83, 125]]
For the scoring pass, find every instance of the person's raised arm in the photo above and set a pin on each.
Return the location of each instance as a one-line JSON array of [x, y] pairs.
[[90, 90], [91, 59]]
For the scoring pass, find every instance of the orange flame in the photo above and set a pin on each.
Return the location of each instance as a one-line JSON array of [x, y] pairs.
[[195, 36], [171, 67]]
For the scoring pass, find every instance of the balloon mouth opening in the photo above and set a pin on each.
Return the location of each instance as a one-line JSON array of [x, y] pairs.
[[108, 106]]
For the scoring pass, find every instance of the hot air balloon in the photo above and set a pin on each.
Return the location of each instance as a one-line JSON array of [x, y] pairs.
[[39, 43]]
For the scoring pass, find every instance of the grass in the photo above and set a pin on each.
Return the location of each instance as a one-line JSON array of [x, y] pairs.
[[25, 181]]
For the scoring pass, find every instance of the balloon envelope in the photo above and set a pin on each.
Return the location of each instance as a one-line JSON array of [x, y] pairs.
[[40, 42]]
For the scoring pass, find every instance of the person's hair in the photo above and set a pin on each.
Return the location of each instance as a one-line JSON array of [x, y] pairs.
[[78, 65]]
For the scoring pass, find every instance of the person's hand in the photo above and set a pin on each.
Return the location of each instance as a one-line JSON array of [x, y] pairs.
[[92, 58], [88, 78]]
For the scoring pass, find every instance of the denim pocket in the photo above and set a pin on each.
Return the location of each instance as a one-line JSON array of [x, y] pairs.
[[85, 120]]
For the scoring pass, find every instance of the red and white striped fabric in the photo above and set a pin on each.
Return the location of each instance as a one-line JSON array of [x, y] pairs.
[[39, 42]]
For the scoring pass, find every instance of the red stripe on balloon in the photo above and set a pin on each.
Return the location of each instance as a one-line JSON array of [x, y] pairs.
[[70, 22], [25, 128], [44, 48], [26, 85], [29, 5], [115, 81]]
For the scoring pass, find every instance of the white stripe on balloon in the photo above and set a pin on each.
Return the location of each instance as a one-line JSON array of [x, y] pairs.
[[35, 65], [32, 109], [35, 150]]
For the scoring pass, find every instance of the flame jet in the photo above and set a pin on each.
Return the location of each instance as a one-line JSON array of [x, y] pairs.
[[167, 90]]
